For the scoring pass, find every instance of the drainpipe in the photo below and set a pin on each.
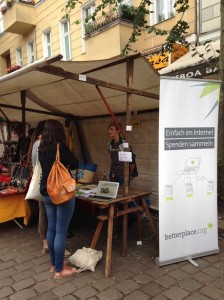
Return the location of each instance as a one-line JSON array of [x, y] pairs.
[[198, 19]]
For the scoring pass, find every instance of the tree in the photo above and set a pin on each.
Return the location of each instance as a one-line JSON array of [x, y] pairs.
[[174, 35]]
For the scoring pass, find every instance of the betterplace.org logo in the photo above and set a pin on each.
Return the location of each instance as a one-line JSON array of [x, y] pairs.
[[187, 233]]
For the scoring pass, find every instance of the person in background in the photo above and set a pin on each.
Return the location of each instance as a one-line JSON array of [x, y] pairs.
[[115, 145], [117, 167], [58, 216], [42, 223], [17, 137], [27, 144]]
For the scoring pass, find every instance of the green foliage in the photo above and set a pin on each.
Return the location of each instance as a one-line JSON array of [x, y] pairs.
[[139, 15]]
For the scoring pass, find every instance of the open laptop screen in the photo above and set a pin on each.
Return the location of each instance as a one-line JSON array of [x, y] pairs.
[[107, 189]]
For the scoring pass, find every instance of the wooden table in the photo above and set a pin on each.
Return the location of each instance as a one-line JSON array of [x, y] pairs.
[[14, 206], [115, 210]]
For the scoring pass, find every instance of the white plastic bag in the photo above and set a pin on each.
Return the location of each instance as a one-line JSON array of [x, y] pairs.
[[85, 259], [33, 192]]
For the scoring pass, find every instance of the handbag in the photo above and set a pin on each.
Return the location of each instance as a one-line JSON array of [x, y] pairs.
[[33, 192], [85, 259], [60, 185]]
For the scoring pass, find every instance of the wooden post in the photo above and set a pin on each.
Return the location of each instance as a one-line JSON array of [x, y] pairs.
[[129, 79], [23, 104]]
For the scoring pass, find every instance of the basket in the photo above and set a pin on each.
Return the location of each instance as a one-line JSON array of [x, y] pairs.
[[86, 173]]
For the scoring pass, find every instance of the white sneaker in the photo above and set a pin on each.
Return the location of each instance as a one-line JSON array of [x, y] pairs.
[[67, 253]]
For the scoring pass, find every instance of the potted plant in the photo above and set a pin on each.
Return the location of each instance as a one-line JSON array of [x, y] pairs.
[[9, 3], [13, 68], [3, 9]]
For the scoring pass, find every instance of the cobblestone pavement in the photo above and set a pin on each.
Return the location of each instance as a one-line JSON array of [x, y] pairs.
[[24, 270]]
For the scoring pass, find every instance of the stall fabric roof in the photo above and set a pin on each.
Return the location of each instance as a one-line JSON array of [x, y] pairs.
[[189, 59], [50, 87]]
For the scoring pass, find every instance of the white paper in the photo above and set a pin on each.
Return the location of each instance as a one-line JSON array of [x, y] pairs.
[[129, 128], [125, 145], [125, 156], [82, 77]]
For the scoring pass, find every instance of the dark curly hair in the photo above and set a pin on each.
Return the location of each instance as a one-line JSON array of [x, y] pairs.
[[53, 133]]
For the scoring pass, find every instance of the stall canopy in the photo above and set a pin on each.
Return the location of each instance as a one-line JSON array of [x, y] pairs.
[[198, 62], [62, 88]]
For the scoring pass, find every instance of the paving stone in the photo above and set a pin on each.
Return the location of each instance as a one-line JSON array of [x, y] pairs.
[[46, 296], [219, 283], [213, 271], [69, 297], [137, 295], [7, 265], [24, 266], [190, 284], [65, 289], [103, 283], [203, 278], [152, 289], [110, 294], [176, 293], [45, 286], [178, 274], [23, 284], [160, 297], [165, 281], [81, 281], [23, 275], [85, 293], [127, 286], [189, 268], [10, 255], [23, 258], [142, 278], [197, 296], [138, 267], [5, 292], [7, 273], [212, 292], [121, 275], [43, 276], [23, 295], [6, 282], [157, 272]]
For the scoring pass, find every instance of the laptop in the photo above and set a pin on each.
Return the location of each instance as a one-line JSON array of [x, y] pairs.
[[106, 190], [192, 165]]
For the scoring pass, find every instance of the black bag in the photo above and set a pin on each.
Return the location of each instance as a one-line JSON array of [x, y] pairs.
[[135, 171]]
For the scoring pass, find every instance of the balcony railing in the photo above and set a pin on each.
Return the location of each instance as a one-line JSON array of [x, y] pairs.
[[124, 13]]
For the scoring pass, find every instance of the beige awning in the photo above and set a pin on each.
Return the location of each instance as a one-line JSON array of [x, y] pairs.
[[61, 87]]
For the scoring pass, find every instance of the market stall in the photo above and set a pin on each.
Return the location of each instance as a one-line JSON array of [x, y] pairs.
[[77, 90]]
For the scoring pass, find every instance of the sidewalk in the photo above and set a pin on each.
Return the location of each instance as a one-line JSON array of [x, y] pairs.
[[24, 270]]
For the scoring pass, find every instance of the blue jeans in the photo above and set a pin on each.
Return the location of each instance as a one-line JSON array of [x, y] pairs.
[[59, 217]]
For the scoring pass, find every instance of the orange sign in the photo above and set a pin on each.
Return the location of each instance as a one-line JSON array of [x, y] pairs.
[[178, 51], [159, 61]]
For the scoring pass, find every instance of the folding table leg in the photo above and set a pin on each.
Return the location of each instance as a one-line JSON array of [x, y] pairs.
[[109, 240], [18, 223]]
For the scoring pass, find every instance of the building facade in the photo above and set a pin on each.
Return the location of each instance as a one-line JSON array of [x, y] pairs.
[[31, 31]]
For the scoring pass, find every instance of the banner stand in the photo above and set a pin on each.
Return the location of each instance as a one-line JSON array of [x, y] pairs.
[[188, 143], [184, 258]]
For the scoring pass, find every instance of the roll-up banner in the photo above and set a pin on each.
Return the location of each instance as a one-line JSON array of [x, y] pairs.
[[188, 133]]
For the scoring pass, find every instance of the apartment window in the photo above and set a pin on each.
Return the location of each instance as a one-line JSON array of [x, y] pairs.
[[65, 40], [31, 52], [19, 60], [162, 10], [47, 50]]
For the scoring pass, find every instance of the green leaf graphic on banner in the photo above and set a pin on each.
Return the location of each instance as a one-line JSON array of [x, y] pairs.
[[209, 88], [210, 225]]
